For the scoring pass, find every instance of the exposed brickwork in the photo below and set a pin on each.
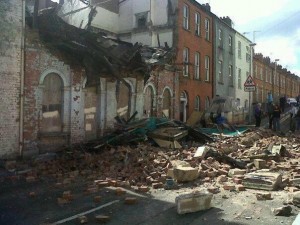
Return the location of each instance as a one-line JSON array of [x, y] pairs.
[[188, 39], [10, 70], [39, 62], [160, 79]]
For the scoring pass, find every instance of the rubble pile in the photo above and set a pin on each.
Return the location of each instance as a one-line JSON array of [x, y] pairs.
[[269, 164]]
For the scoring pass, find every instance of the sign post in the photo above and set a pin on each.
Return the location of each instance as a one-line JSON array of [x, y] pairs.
[[249, 86]]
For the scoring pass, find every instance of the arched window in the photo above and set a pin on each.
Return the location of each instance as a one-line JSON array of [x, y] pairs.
[[148, 101], [183, 106], [207, 103], [52, 107], [167, 103], [197, 103]]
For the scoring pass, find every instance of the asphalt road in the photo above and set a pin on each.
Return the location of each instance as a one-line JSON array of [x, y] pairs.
[[155, 208]]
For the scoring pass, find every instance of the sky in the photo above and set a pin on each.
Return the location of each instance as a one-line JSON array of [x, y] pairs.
[[275, 23]]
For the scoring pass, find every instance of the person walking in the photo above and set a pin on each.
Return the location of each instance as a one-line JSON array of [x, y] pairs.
[[282, 102], [257, 115], [293, 122], [270, 110], [276, 118], [297, 119]]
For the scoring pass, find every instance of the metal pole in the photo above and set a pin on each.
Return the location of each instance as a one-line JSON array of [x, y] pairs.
[[250, 72]]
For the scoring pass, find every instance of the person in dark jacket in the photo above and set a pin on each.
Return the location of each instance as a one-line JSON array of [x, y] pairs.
[[257, 115], [270, 109], [276, 118]]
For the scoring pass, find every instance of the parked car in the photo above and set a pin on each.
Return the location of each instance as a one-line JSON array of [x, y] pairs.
[[291, 101], [228, 107]]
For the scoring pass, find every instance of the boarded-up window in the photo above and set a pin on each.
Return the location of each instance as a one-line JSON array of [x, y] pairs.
[[52, 104], [167, 103], [123, 100], [148, 102], [90, 110]]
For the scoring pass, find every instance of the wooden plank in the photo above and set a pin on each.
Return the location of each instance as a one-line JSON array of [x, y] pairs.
[[194, 118]]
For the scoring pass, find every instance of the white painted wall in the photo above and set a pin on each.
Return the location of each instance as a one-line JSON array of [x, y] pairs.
[[164, 36], [106, 20], [125, 16], [157, 13], [243, 65], [75, 13]]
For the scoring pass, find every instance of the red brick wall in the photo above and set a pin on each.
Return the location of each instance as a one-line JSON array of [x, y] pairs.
[[188, 39], [39, 60], [162, 79]]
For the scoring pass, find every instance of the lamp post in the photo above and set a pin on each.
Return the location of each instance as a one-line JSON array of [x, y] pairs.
[[250, 72], [276, 60]]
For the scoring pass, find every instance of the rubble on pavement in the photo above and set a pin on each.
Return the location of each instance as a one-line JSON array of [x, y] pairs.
[[270, 163]]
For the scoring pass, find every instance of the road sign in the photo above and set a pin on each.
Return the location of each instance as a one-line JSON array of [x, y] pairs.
[[249, 88], [249, 82]]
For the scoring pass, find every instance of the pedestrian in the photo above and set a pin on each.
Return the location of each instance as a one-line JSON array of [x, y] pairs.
[[270, 109], [297, 119], [276, 118], [282, 102], [257, 115], [293, 113]]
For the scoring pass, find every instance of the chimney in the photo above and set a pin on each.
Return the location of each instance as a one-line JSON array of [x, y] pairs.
[[227, 20], [206, 6]]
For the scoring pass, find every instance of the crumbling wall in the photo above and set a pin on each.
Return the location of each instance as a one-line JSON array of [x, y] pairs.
[[40, 63], [10, 71], [164, 84]]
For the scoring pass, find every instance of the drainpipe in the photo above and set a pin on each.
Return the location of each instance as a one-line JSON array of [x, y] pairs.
[[21, 137]]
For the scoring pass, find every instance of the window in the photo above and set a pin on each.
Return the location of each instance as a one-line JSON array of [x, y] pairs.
[[220, 71], [239, 79], [197, 24], [207, 103], [239, 49], [52, 103], [271, 78], [185, 62], [186, 17], [197, 65], [207, 29], [230, 43], [255, 71], [230, 75], [206, 68], [197, 103], [141, 19], [220, 38], [261, 73]]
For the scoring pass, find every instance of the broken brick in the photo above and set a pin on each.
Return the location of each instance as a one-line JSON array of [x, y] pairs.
[[97, 199], [120, 191], [240, 187], [102, 218], [228, 186], [130, 200], [157, 185]]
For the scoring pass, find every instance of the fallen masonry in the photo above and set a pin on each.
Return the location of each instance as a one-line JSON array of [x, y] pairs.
[[144, 167]]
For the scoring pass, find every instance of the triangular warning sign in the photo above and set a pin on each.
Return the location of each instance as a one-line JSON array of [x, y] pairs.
[[249, 81]]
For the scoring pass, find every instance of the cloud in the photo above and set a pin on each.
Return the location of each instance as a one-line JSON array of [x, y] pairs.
[[277, 23]]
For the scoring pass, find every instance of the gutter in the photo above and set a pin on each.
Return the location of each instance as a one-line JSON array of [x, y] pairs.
[[21, 127]]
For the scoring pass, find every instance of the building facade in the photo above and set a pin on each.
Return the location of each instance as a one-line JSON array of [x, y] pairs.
[[242, 69], [11, 76]]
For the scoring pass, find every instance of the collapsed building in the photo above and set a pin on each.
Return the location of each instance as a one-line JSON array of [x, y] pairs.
[[72, 82]]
